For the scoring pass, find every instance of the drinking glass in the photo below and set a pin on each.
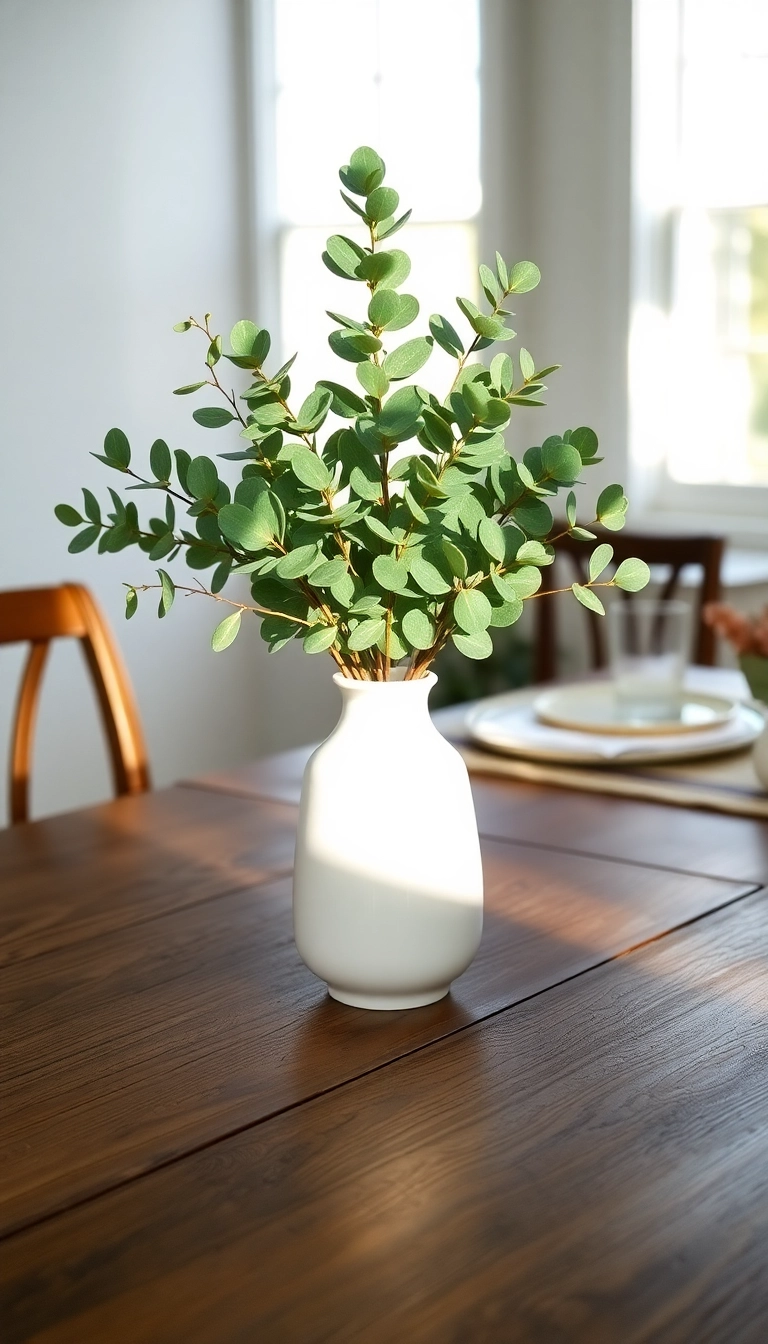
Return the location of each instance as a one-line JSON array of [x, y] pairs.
[[648, 645]]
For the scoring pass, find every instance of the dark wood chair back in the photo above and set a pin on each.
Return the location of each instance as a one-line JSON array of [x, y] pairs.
[[673, 552], [36, 616]]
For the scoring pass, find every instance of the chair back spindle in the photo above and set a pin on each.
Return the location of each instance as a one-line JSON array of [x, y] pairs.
[[673, 552], [37, 616]]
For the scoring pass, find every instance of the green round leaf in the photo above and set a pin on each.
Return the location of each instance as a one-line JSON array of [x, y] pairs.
[[456, 558], [418, 628], [82, 540], [587, 598], [523, 583], [342, 256], [584, 441], [472, 611], [320, 639], [598, 560], [491, 537], [345, 403], [437, 430], [313, 411], [381, 203], [328, 573], [189, 387], [297, 562], [476, 646], [366, 634], [612, 507], [407, 312], [373, 378], [407, 359], [560, 461], [524, 276], [310, 469], [428, 577], [534, 553], [167, 592], [160, 460], [212, 417], [400, 416], [117, 448], [364, 171], [631, 575], [445, 335], [226, 631], [244, 528], [384, 307], [376, 267], [242, 338], [399, 270], [202, 478], [67, 515], [131, 603], [390, 574], [353, 345], [507, 613]]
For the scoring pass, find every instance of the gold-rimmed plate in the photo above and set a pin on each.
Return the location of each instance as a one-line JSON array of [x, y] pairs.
[[595, 708]]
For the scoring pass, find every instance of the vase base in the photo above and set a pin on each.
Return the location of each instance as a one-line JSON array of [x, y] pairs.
[[390, 1003]]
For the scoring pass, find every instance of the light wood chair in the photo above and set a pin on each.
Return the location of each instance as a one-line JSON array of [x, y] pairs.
[[36, 616], [674, 552]]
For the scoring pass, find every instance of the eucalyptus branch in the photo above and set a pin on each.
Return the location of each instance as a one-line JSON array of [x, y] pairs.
[[283, 523]]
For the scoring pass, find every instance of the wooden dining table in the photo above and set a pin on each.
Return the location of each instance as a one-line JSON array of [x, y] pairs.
[[199, 1145]]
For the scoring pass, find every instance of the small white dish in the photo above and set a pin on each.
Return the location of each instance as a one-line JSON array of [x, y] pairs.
[[595, 708], [509, 724]]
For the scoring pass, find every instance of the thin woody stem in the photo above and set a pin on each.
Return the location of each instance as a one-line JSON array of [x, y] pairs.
[[202, 591]]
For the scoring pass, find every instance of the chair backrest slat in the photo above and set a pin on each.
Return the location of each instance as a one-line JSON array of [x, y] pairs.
[[674, 552], [36, 616]]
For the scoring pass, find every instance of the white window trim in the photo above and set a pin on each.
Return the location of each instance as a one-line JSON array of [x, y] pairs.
[[737, 511]]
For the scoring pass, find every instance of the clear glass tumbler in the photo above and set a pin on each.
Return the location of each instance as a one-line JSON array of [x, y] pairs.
[[649, 644]]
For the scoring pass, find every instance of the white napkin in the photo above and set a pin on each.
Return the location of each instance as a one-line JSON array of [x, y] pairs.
[[518, 728]]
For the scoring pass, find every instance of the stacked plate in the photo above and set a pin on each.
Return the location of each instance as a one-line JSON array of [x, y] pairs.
[[584, 723]]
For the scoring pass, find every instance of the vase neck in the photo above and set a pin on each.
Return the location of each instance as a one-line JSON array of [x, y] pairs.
[[395, 705]]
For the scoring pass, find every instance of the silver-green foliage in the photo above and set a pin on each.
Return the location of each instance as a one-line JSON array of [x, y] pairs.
[[357, 544]]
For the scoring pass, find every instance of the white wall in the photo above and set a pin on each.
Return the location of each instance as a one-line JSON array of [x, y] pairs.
[[557, 191], [124, 208]]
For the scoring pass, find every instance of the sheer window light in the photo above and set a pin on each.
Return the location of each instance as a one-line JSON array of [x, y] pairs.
[[702, 197]]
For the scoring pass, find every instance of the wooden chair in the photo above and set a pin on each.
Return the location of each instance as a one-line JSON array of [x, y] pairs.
[[674, 552], [38, 615]]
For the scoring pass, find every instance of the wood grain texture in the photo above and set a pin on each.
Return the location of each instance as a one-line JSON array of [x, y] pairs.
[[76, 875], [127, 1050], [621, 828], [587, 1168]]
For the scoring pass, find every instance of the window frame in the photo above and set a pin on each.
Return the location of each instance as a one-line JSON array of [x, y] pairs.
[[735, 510]]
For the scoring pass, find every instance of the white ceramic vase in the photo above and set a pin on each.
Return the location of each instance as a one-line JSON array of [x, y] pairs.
[[388, 884]]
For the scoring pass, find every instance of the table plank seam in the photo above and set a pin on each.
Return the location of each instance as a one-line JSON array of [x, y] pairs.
[[279, 1111], [273, 875], [206, 787], [620, 858]]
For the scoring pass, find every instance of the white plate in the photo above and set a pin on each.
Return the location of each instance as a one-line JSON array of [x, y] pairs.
[[593, 708], [508, 723]]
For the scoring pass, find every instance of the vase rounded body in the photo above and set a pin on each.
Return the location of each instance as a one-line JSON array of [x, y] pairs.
[[388, 886]]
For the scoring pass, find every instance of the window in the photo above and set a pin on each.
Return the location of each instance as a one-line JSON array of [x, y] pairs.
[[700, 326], [404, 78]]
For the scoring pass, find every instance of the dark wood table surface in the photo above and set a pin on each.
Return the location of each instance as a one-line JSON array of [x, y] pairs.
[[199, 1145]]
